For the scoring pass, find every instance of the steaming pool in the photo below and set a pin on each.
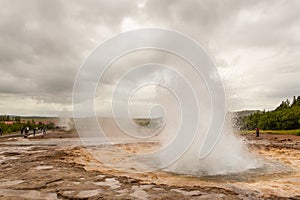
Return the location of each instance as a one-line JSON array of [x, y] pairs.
[[278, 172]]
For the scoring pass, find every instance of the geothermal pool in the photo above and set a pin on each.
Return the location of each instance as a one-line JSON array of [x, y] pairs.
[[278, 173], [70, 170]]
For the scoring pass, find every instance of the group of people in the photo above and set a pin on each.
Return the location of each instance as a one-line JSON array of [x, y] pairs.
[[25, 130]]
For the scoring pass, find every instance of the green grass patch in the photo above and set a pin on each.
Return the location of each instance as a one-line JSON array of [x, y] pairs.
[[281, 132]]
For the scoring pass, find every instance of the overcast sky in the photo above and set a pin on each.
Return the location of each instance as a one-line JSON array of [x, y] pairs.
[[255, 45]]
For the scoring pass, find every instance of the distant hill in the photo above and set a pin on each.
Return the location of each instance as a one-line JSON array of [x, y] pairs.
[[38, 117]]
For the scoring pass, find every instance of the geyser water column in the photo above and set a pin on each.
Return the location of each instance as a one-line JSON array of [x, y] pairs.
[[188, 137]]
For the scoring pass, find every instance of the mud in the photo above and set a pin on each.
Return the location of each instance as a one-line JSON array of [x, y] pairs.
[[58, 167]]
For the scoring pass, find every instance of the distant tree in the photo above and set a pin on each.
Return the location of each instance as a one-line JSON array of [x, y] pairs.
[[288, 103], [294, 101], [17, 118], [286, 116], [298, 101]]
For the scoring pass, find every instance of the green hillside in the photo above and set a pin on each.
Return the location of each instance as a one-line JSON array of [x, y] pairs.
[[285, 117]]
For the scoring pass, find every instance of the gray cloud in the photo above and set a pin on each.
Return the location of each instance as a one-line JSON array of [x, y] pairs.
[[254, 43]]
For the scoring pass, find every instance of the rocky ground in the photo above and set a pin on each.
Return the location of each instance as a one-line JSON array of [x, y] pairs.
[[34, 169]]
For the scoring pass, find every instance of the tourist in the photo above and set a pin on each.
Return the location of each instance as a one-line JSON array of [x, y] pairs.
[[22, 129], [26, 132], [257, 131], [34, 130], [0, 131]]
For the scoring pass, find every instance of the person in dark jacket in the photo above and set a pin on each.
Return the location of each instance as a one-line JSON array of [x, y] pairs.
[[34, 130], [257, 131]]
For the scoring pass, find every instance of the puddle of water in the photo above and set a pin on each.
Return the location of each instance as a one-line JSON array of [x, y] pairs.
[[88, 193], [29, 194], [66, 193], [111, 182], [188, 193], [13, 139], [146, 186], [4, 158], [50, 196], [76, 183], [43, 167], [62, 142], [158, 189], [139, 193], [101, 176], [10, 183], [212, 196], [124, 191]]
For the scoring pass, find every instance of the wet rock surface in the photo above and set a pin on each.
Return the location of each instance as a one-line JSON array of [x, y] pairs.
[[43, 173], [45, 170]]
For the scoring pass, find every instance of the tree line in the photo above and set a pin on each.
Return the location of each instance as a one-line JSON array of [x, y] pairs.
[[10, 118], [285, 117]]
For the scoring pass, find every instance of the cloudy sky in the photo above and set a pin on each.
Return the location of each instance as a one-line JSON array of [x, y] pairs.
[[254, 44]]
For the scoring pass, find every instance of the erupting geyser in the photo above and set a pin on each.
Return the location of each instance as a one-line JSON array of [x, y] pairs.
[[228, 156], [180, 104]]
